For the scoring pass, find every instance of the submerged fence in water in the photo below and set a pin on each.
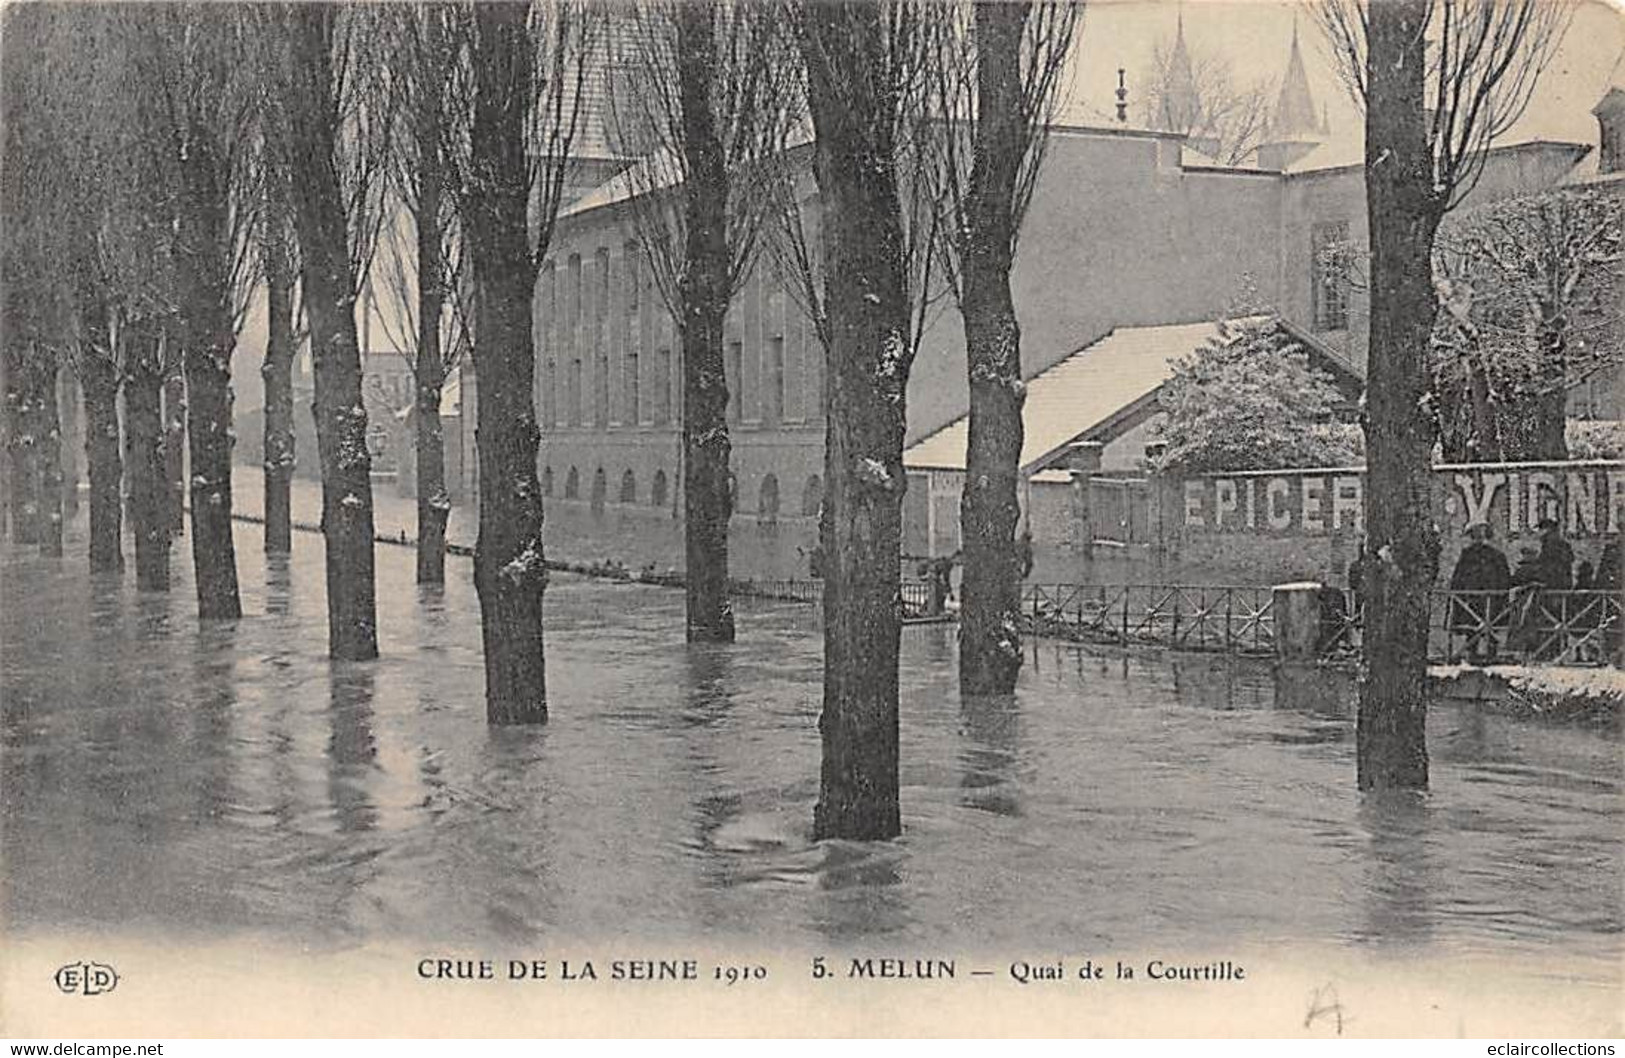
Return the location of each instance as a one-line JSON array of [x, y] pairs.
[[1527, 625]]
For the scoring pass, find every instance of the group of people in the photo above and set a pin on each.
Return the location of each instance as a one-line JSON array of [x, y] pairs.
[[1498, 596]]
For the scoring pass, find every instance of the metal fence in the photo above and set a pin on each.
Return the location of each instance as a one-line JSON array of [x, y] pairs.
[[1526, 625], [916, 594], [1529, 625], [1190, 617]]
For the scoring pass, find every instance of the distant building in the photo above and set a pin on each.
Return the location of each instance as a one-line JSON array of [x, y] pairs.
[[1129, 228]]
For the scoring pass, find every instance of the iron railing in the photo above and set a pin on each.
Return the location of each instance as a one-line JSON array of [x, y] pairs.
[[1190, 617], [1528, 625], [916, 594]]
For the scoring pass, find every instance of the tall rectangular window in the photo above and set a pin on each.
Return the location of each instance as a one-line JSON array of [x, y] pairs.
[[601, 309], [550, 306], [773, 385], [572, 311], [550, 395], [733, 374], [600, 387], [1329, 274], [634, 406], [574, 394], [632, 276], [662, 387]]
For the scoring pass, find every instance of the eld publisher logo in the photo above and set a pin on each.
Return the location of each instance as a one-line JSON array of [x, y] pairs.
[[86, 979]]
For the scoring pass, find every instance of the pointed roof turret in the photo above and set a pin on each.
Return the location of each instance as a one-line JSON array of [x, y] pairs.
[[1295, 117], [1179, 109]]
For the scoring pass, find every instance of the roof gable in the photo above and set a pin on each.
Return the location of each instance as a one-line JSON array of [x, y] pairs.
[[1099, 392]]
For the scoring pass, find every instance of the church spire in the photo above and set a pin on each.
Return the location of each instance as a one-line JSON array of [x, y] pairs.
[[1179, 109], [1294, 118]]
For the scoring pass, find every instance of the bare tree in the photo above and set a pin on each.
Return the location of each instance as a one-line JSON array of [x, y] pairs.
[[705, 99], [330, 120], [529, 67], [37, 325], [998, 75], [1532, 293], [1198, 95], [91, 122], [424, 281], [1439, 80], [279, 252], [867, 90], [200, 60]]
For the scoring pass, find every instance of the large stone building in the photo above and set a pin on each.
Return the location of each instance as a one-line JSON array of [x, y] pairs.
[[1128, 228]]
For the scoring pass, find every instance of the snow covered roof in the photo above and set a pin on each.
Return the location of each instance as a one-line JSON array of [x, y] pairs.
[[1079, 395]]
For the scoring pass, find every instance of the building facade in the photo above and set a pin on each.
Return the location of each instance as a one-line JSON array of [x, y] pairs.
[[1128, 227]]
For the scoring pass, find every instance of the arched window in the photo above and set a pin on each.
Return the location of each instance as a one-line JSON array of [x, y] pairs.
[[547, 481], [572, 485], [767, 501], [812, 497], [657, 491], [629, 487], [600, 488]]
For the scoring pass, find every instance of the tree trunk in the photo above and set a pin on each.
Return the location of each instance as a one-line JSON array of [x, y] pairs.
[[174, 438], [144, 437], [48, 435], [21, 450], [990, 595], [102, 456], [434, 504], [434, 501], [210, 337], [8, 431], [704, 305], [32, 414], [277, 372], [67, 395], [861, 529], [1402, 546], [329, 294], [509, 572]]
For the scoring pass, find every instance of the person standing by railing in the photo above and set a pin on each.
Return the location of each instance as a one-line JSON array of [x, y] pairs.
[[1482, 576]]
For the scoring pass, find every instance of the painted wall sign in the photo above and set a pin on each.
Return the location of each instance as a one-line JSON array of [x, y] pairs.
[[1586, 500]]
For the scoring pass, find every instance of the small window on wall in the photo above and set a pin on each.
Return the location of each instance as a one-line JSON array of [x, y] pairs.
[[733, 372], [662, 387], [812, 496], [601, 309], [773, 397], [657, 491], [632, 275], [767, 501], [574, 394], [550, 395], [572, 485], [634, 403], [1329, 274], [572, 312], [600, 489], [547, 481], [629, 487]]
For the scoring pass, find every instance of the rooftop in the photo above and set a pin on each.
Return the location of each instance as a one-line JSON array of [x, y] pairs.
[[1079, 395]]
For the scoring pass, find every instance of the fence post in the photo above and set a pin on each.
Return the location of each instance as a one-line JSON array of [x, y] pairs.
[[1297, 621]]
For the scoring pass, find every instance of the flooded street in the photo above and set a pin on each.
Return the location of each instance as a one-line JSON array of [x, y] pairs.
[[166, 779]]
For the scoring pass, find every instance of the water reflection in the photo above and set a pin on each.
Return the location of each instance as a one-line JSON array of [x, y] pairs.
[[991, 728], [1397, 883], [278, 583], [228, 777], [352, 749]]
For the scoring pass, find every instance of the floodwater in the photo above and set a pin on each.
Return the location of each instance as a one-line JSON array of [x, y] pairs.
[[201, 782]]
